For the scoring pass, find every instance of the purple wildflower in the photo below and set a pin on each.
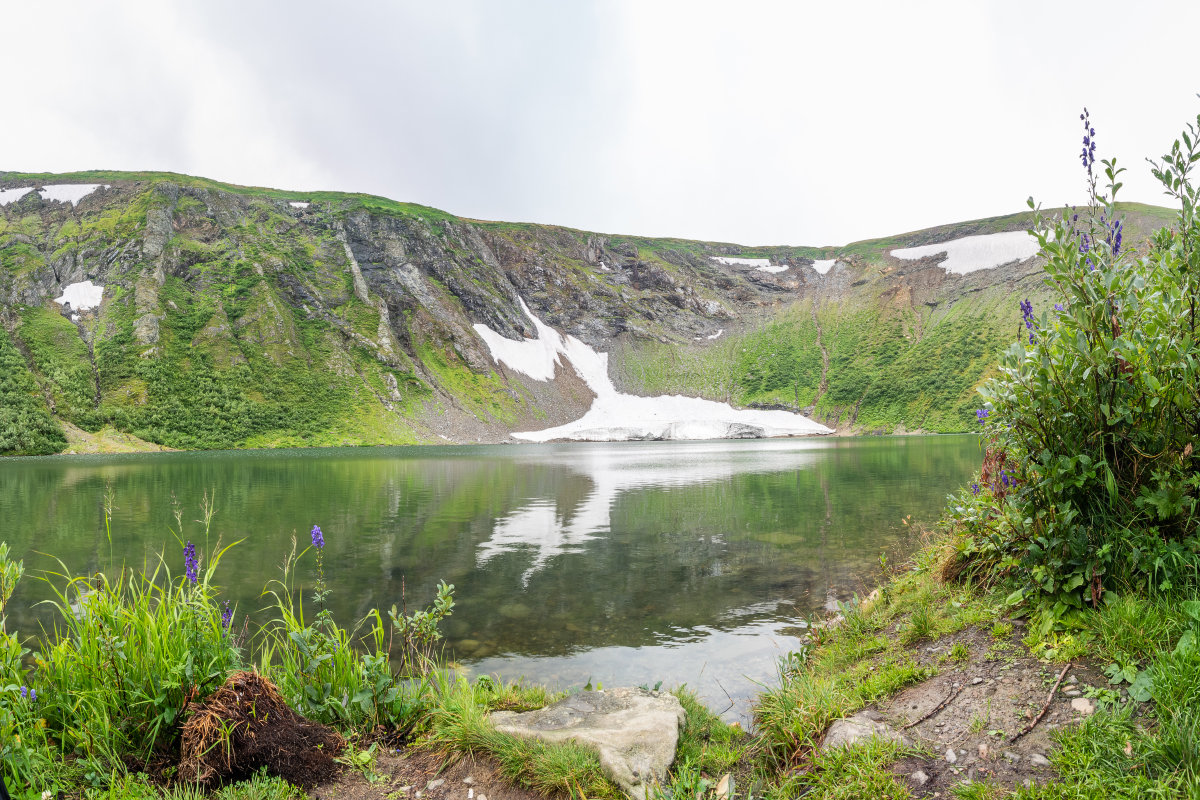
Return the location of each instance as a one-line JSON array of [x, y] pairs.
[[981, 414], [1088, 154], [226, 616], [33, 695], [24, 691], [1058, 306], [317, 539], [975, 489], [190, 564]]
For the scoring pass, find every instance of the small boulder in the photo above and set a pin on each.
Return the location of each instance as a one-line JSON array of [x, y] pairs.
[[849, 731], [1082, 705], [633, 730]]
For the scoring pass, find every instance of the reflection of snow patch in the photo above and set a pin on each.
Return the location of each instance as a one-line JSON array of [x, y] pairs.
[[971, 253], [773, 270], [749, 262], [620, 417], [541, 525], [824, 265], [61, 193], [297, 204], [81, 296]]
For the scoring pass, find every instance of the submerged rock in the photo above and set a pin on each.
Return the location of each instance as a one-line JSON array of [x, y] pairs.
[[633, 730]]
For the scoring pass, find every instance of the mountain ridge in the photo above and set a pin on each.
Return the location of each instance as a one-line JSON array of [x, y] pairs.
[[234, 317]]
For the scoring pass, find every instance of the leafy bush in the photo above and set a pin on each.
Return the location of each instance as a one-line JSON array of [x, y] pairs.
[[1090, 480]]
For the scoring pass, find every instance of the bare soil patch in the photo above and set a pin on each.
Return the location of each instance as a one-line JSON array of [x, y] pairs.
[[415, 774], [987, 701]]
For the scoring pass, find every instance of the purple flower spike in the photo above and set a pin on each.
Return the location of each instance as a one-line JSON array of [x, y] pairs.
[[226, 616], [190, 564], [981, 414], [317, 539]]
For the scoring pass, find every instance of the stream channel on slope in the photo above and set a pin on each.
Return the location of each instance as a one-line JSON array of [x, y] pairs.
[[625, 563]]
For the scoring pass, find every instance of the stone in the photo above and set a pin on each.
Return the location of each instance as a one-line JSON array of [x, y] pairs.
[[1072, 692], [851, 730], [951, 756], [983, 750], [1082, 705], [436, 783], [920, 777], [1009, 755], [634, 731], [724, 788], [1039, 760], [976, 681]]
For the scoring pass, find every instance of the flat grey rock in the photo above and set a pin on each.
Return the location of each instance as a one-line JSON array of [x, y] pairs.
[[851, 730], [634, 731]]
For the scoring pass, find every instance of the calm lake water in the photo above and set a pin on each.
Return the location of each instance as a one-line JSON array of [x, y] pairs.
[[625, 563]]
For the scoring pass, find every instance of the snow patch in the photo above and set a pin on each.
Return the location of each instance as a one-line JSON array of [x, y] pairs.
[[12, 195], [823, 265], [81, 296], [61, 193], [749, 262], [774, 270], [298, 204], [614, 416], [971, 253]]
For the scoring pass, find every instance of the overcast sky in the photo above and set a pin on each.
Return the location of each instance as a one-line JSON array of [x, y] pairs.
[[753, 122]]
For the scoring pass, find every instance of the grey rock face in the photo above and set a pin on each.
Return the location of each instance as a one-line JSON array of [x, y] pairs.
[[633, 730]]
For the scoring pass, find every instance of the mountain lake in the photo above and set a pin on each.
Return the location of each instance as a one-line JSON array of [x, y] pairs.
[[618, 564]]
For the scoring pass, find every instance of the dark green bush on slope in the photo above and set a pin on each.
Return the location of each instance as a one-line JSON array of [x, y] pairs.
[[26, 428]]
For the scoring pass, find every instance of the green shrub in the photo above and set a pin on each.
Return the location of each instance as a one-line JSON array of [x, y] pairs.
[[1090, 480]]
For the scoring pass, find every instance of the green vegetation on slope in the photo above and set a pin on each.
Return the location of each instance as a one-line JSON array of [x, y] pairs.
[[25, 426]]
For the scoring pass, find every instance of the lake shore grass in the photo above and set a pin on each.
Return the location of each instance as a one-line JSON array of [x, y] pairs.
[[96, 712]]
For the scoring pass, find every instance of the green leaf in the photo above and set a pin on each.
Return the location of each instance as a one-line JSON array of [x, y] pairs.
[[1191, 608], [1140, 688]]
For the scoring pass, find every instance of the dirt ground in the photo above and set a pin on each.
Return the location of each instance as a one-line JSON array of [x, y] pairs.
[[423, 775], [990, 699]]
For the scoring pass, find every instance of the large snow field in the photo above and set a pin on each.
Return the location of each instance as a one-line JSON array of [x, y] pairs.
[[615, 416], [824, 265], [971, 253], [62, 193], [82, 296]]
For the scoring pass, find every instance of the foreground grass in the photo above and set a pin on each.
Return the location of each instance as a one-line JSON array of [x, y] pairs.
[[111, 680]]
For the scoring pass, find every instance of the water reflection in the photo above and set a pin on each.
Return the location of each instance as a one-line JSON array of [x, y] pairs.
[[547, 529], [626, 563]]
